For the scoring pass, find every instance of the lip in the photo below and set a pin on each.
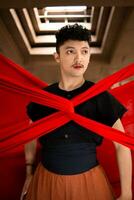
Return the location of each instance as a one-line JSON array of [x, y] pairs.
[[78, 66]]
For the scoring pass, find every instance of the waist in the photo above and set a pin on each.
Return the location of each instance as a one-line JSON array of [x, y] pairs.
[[69, 159]]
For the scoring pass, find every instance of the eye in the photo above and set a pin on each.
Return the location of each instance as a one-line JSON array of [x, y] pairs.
[[85, 51], [70, 51]]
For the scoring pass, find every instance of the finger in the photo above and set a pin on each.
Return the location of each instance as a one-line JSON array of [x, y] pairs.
[[23, 195], [24, 192]]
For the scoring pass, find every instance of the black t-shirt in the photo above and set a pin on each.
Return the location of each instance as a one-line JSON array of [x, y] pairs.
[[71, 148]]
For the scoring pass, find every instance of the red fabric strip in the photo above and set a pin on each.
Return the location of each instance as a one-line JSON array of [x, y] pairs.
[[65, 107]]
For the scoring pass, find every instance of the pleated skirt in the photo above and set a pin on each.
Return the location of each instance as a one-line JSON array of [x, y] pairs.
[[90, 185]]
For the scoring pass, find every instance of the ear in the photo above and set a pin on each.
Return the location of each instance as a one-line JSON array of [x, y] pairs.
[[56, 57]]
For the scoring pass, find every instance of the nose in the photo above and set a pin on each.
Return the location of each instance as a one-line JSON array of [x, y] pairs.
[[78, 57]]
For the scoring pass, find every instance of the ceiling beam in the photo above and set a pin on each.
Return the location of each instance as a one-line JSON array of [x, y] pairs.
[[44, 3]]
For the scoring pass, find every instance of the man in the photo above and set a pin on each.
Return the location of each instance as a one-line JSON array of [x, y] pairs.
[[69, 168]]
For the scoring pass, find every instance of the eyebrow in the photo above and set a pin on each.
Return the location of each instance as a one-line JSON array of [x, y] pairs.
[[70, 47]]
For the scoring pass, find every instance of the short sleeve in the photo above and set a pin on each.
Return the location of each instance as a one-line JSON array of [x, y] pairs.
[[32, 111], [37, 111], [109, 109]]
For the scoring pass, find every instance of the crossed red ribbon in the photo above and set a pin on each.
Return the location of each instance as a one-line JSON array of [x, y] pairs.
[[65, 107]]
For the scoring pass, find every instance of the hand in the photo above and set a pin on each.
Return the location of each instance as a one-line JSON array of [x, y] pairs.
[[124, 197], [26, 185]]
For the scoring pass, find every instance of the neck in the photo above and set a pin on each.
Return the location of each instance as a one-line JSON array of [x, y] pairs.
[[70, 84]]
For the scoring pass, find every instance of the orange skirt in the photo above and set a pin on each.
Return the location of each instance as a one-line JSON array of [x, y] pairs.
[[90, 185]]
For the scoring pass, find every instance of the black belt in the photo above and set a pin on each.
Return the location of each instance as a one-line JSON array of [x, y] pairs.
[[69, 159]]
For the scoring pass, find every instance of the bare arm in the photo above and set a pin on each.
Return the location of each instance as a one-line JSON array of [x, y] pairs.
[[30, 152], [125, 166]]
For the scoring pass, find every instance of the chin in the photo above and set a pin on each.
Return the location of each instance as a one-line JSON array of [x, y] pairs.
[[78, 75]]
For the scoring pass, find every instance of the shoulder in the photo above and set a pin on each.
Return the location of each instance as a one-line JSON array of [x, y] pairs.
[[89, 83], [51, 87], [102, 95]]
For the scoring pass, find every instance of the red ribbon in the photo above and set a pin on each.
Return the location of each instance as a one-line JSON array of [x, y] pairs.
[[66, 107]]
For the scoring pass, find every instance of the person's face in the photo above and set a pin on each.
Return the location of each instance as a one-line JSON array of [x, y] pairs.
[[73, 58]]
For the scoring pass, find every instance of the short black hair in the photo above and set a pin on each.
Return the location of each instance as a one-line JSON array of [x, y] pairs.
[[72, 32]]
